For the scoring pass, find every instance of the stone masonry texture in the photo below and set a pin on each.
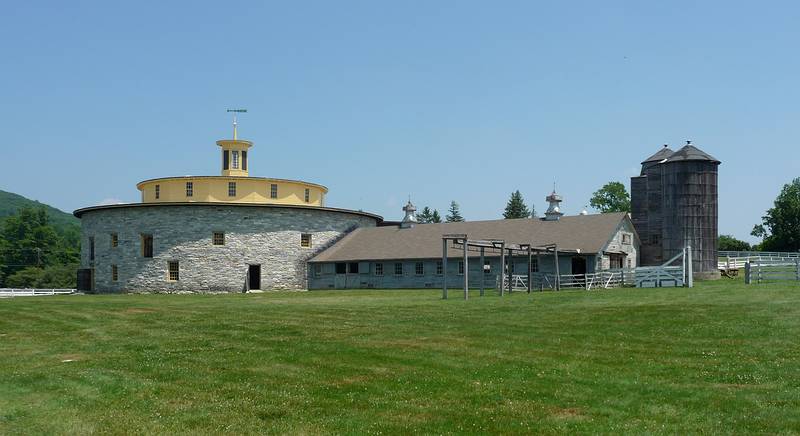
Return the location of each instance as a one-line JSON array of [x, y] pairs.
[[269, 236]]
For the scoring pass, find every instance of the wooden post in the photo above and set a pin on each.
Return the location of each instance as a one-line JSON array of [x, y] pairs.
[[530, 270], [483, 273], [502, 268], [510, 271], [466, 270], [558, 272], [747, 278], [689, 264], [444, 268]]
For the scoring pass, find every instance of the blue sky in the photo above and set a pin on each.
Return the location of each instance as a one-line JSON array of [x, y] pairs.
[[442, 100]]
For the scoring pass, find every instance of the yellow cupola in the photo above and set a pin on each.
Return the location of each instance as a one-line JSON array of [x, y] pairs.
[[234, 153], [234, 185]]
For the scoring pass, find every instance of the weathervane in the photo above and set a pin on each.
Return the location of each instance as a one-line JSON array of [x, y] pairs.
[[235, 111]]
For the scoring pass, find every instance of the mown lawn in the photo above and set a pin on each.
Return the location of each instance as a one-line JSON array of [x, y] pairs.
[[721, 357]]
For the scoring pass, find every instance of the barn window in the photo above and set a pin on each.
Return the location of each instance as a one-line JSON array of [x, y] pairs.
[[438, 267], [307, 195], [114, 273], [419, 268], [341, 268], [273, 190], [378, 269], [535, 264], [174, 270], [218, 238], [231, 189], [305, 240], [461, 267], [158, 192], [114, 240], [147, 245], [626, 239], [655, 239], [487, 267], [91, 247], [398, 268], [189, 189], [352, 267]]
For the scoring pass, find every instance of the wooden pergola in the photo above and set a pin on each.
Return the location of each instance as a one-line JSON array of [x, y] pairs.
[[495, 246]]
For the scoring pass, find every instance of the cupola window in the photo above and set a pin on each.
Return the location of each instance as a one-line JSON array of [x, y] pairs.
[[235, 159]]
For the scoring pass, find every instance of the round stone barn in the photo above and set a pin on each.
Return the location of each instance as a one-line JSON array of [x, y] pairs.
[[227, 233]]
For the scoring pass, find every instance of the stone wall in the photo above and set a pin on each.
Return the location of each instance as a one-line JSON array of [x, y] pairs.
[[265, 235]]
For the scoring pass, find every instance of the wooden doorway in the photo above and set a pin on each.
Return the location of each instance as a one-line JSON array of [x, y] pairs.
[[578, 265], [254, 277]]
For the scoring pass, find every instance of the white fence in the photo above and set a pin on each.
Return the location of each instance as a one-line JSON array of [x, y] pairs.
[[772, 272], [780, 254], [15, 292], [665, 275], [731, 263]]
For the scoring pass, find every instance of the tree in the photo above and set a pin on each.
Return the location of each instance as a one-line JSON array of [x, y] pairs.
[[29, 240], [435, 217], [54, 276], [729, 243], [426, 216], [516, 207], [612, 197], [455, 215], [780, 227]]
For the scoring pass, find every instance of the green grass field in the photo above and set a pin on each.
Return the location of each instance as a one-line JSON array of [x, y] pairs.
[[722, 357]]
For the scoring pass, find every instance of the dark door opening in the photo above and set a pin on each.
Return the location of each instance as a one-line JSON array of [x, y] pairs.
[[254, 276], [578, 265]]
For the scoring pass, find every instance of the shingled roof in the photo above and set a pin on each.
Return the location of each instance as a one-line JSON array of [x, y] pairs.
[[690, 152], [662, 154], [588, 233]]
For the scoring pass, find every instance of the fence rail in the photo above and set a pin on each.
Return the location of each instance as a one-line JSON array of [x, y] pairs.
[[732, 263], [772, 272], [780, 254], [19, 292], [605, 279]]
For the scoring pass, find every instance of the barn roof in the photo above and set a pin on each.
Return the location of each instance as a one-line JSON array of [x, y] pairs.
[[662, 154], [690, 152], [587, 233]]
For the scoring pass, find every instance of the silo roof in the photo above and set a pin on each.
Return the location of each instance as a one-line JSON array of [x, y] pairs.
[[662, 154], [690, 152]]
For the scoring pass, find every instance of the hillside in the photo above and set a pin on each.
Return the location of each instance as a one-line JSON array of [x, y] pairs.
[[10, 203]]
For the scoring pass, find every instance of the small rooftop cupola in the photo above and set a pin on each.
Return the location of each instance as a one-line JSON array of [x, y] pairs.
[[234, 151], [410, 220], [554, 211]]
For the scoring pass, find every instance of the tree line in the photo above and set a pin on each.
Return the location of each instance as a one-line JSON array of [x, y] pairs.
[[36, 254]]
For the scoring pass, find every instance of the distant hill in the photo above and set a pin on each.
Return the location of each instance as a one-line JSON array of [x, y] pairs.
[[10, 203]]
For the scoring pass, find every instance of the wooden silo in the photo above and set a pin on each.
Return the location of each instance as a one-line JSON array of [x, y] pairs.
[[674, 203]]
